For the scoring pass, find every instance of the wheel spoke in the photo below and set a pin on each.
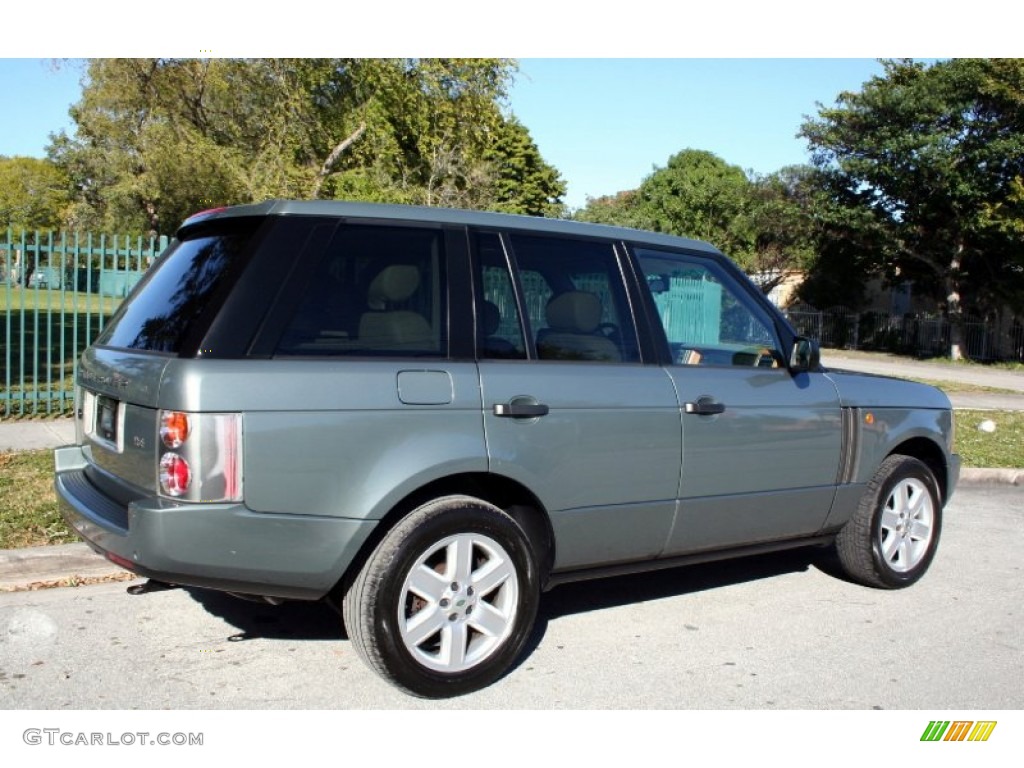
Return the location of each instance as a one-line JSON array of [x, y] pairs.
[[428, 583], [460, 560], [890, 519], [902, 553], [901, 494], [920, 530], [423, 625], [890, 547], [920, 503], [488, 620], [495, 572], [454, 638]]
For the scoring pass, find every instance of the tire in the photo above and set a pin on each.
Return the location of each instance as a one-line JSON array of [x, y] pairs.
[[446, 602], [891, 539]]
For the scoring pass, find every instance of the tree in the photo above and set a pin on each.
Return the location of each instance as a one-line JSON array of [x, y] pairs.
[[699, 195], [763, 224], [157, 139], [784, 215], [935, 154], [522, 181], [696, 195], [618, 210], [34, 194]]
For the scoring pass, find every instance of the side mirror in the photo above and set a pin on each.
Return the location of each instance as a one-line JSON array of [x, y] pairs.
[[806, 355]]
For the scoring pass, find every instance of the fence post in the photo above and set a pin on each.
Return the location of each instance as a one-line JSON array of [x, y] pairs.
[[8, 341]]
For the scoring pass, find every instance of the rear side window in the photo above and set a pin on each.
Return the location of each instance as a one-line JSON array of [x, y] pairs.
[[378, 291], [499, 330], [179, 289], [575, 300]]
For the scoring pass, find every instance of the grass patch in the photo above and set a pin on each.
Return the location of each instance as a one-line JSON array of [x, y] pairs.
[[28, 503], [1003, 448], [45, 300]]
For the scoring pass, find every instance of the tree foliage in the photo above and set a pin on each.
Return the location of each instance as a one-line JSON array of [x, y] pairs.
[[34, 194], [157, 139], [761, 223], [699, 195], [934, 155]]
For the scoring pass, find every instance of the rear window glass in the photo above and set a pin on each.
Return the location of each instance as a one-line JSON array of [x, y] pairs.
[[160, 315]]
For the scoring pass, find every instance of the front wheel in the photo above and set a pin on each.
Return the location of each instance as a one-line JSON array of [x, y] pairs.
[[892, 537], [447, 600]]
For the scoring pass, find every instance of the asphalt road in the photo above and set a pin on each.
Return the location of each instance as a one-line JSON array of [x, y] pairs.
[[775, 632]]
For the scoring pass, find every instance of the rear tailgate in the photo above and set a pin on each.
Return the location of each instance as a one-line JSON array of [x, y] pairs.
[[117, 418]]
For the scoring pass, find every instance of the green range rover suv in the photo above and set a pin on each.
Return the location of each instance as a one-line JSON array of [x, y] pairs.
[[430, 416]]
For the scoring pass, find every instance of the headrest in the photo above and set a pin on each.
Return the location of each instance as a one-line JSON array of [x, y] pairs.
[[574, 311], [393, 284], [490, 317]]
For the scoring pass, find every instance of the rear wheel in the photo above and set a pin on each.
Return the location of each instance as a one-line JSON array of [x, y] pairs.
[[892, 537], [447, 600]]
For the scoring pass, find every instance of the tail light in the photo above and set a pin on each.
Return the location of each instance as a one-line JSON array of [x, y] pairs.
[[175, 475], [175, 427], [200, 456]]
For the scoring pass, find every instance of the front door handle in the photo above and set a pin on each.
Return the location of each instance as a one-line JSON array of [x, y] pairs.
[[520, 410], [705, 406]]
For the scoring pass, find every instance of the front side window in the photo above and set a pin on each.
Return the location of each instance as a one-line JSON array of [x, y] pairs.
[[708, 320], [378, 291]]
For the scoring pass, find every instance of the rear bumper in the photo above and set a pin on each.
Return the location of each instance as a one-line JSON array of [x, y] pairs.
[[226, 547]]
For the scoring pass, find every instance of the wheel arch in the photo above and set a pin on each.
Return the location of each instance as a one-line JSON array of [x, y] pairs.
[[508, 495], [927, 451]]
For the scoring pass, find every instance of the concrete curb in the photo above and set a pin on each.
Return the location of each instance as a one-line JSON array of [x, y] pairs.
[[989, 476], [55, 566]]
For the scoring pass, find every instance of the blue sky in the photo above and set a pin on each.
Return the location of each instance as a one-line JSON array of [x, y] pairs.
[[607, 123], [604, 123]]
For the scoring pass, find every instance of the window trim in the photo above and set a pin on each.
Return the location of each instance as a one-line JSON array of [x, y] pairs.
[[476, 277]]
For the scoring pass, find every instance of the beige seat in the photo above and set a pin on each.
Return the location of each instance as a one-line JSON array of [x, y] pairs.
[[490, 345], [573, 318], [386, 328]]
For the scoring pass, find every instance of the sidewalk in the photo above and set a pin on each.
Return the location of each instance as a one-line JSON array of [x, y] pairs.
[[34, 435], [891, 365]]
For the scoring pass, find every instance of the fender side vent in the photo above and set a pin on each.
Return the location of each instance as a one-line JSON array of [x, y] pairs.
[[849, 449]]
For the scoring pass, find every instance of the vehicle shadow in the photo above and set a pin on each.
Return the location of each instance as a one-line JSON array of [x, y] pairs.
[[601, 594], [297, 620], [301, 620]]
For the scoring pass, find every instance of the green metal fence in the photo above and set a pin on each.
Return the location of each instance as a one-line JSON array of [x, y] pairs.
[[56, 292]]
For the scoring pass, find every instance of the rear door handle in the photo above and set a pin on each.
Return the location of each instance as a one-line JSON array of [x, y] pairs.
[[705, 406], [520, 410]]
